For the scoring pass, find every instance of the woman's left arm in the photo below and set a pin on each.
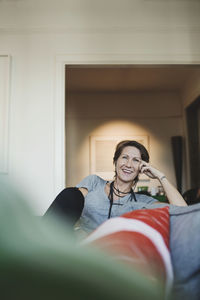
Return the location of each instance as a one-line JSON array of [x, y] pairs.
[[171, 192]]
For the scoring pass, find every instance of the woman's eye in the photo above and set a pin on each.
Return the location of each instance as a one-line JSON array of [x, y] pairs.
[[125, 157], [136, 160]]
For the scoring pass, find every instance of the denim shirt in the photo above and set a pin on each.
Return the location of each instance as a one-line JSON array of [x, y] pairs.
[[97, 203]]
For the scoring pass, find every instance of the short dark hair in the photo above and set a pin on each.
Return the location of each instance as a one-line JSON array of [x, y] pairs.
[[121, 145]]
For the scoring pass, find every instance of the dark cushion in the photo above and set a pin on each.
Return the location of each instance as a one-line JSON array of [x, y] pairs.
[[68, 205]]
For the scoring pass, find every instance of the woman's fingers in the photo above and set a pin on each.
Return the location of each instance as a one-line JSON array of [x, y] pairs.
[[148, 171], [144, 167]]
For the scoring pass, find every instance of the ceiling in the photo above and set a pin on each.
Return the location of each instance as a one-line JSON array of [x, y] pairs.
[[128, 78]]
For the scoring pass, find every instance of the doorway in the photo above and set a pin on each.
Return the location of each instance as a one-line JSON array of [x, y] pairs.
[[118, 99]]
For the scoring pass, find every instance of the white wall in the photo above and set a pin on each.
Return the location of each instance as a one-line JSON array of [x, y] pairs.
[[39, 34], [121, 114]]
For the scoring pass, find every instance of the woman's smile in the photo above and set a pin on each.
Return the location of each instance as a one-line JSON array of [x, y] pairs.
[[127, 166], [127, 171]]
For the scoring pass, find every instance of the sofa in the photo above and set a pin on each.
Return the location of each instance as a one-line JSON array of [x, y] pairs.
[[185, 251], [180, 233], [44, 260]]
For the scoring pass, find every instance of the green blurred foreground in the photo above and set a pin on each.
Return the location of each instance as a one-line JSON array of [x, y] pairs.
[[41, 260]]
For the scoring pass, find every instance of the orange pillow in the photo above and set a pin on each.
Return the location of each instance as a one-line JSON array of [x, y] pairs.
[[139, 239]]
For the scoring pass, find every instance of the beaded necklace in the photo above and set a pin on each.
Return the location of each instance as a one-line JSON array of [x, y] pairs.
[[112, 191]]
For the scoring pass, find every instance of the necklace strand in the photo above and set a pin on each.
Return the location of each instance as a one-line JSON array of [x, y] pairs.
[[118, 195], [120, 192]]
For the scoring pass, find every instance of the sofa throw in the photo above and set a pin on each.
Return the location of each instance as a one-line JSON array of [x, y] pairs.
[[140, 239]]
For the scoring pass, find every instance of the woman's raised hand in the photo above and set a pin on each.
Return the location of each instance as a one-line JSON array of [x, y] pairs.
[[150, 171], [173, 196]]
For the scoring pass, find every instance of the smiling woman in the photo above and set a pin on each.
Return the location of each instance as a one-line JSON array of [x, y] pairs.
[[128, 157], [107, 199]]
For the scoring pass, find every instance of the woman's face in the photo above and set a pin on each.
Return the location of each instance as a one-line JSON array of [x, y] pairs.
[[128, 164]]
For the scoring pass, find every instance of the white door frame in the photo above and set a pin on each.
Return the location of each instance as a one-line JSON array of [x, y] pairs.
[[98, 59]]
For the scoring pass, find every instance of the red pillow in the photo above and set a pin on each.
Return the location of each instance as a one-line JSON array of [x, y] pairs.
[[140, 239]]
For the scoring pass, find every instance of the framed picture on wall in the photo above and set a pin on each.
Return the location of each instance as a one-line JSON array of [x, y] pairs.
[[102, 149]]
